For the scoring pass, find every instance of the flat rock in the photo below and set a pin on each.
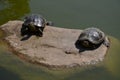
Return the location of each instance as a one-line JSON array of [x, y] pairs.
[[56, 48]]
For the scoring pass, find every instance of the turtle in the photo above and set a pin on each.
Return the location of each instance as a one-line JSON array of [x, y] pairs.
[[92, 38], [34, 24]]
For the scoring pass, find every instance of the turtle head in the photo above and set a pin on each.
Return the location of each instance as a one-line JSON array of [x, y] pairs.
[[85, 43], [106, 42]]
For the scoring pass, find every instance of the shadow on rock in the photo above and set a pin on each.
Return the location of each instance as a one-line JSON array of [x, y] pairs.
[[26, 37]]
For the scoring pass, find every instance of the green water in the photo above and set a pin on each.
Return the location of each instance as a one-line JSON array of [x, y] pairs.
[[104, 14]]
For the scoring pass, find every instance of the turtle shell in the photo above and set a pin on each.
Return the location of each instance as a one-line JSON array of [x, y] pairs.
[[33, 24], [35, 20], [93, 35]]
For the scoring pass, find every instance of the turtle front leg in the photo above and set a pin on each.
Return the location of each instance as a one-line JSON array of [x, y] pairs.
[[106, 42], [39, 32]]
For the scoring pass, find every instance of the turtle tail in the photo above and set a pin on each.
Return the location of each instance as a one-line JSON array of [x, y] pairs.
[[49, 23]]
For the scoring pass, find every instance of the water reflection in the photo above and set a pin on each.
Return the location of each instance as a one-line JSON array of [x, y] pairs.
[[12, 9], [98, 73], [3, 4], [6, 74], [112, 59]]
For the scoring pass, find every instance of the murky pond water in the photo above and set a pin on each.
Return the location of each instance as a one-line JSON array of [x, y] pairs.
[[104, 14]]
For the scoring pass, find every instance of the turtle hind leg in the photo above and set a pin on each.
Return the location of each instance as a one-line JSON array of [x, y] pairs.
[[106, 42], [39, 31]]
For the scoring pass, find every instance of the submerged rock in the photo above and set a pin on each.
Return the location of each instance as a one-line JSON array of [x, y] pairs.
[[57, 47]]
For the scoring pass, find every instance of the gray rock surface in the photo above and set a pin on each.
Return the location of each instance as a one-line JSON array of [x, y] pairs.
[[55, 49]]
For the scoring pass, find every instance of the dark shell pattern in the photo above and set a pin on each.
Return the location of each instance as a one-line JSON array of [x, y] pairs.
[[35, 20], [93, 35]]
